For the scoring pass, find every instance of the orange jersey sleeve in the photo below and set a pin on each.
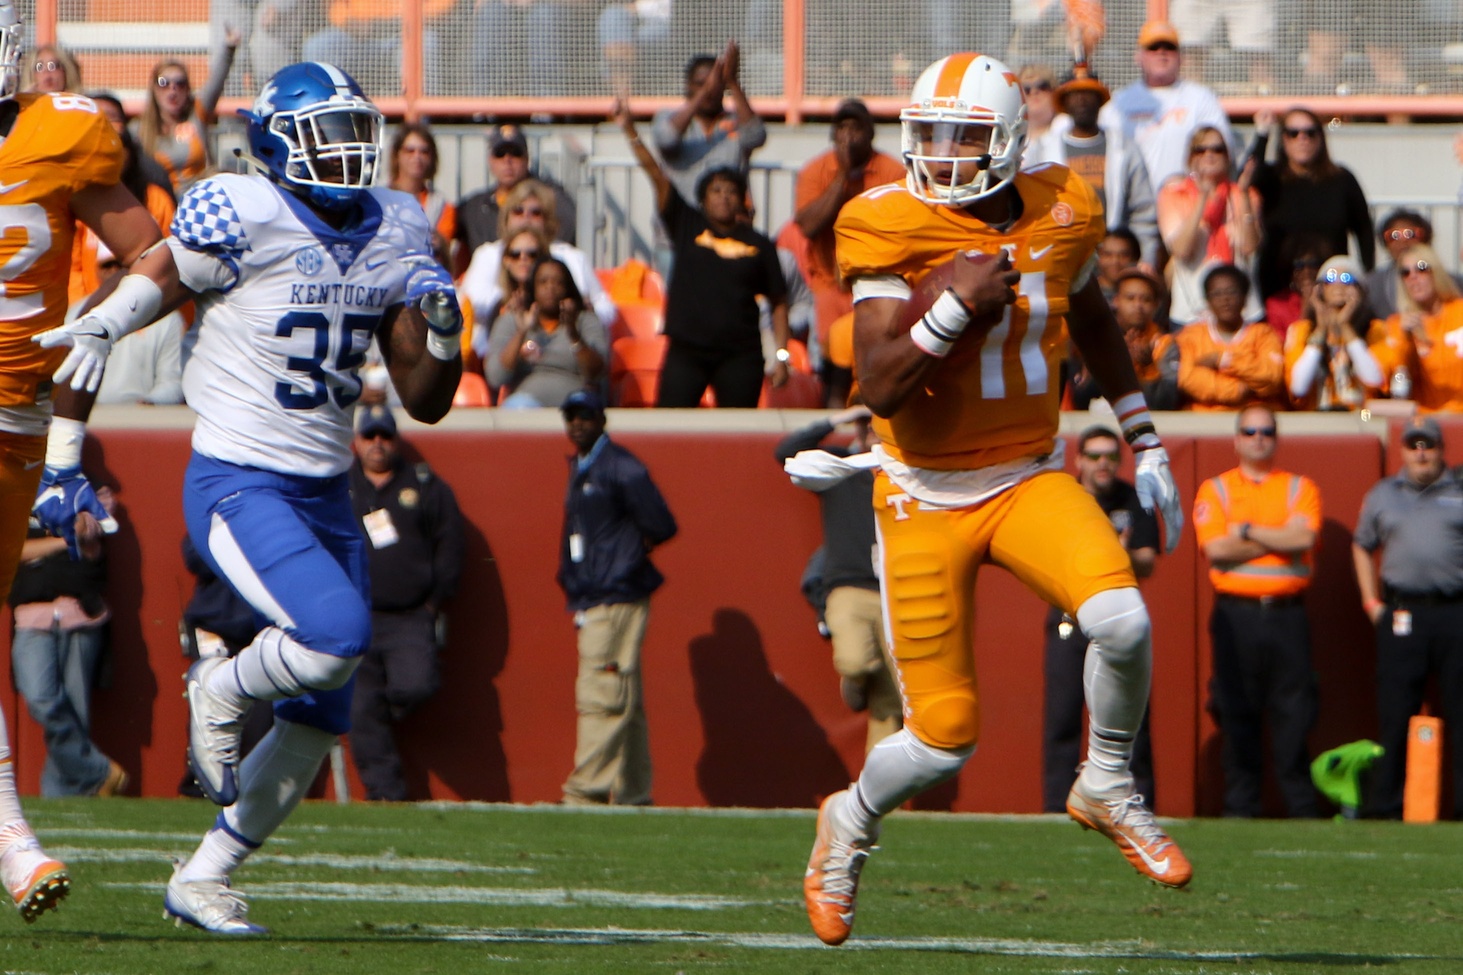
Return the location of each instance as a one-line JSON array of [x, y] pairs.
[[996, 399], [1210, 521], [59, 145]]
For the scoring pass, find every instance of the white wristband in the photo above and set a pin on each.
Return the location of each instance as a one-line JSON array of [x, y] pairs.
[[444, 347], [937, 331], [1135, 421], [63, 445], [135, 303]]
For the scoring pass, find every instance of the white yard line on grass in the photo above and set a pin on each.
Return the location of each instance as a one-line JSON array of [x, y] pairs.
[[499, 896], [334, 860]]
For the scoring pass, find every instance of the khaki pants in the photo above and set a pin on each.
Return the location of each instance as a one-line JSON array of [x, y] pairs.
[[612, 755], [855, 619]]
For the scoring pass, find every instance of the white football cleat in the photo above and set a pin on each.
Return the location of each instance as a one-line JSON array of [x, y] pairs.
[[208, 904], [36, 882], [214, 727]]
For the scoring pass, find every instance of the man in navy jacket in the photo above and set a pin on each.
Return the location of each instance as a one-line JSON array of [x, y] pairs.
[[613, 516]]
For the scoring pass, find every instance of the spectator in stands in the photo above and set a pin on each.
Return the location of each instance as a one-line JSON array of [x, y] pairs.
[[1398, 231], [1154, 354], [364, 41], [478, 214], [1257, 526], [145, 366], [614, 517], [1247, 25], [60, 635], [1328, 362], [413, 167], [825, 183], [529, 205], [847, 581], [1039, 85], [1099, 451], [1160, 111], [624, 31], [1306, 253], [515, 285], [555, 346], [1421, 336], [410, 519], [1303, 191], [722, 265], [1117, 252], [173, 128], [1207, 220], [279, 32], [52, 69], [1415, 604], [1224, 362], [1113, 168], [1334, 29], [700, 135], [523, 45]]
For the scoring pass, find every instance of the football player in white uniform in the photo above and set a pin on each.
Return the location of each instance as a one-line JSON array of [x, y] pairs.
[[293, 271]]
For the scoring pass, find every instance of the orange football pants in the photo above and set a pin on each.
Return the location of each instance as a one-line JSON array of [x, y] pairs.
[[1047, 531], [21, 459]]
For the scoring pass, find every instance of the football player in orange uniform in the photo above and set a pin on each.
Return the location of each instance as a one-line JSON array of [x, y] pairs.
[[59, 163], [966, 402]]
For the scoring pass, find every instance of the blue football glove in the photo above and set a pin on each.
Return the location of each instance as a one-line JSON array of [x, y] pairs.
[[64, 494], [429, 288]]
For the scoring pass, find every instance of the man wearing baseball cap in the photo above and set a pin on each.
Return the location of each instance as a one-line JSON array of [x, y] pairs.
[[477, 214], [1415, 602], [613, 516], [1160, 110]]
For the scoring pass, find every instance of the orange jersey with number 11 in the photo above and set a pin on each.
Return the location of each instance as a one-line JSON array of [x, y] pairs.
[[994, 400], [60, 144]]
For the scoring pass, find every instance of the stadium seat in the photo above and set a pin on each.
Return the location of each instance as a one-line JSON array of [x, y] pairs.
[[802, 391], [642, 320], [635, 369], [472, 390]]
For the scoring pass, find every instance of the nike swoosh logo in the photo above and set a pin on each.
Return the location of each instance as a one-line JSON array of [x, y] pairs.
[[1037, 255], [7, 187], [1159, 867], [373, 265]]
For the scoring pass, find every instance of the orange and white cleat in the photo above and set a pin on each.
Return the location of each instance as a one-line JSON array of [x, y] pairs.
[[830, 887], [1124, 819], [36, 882]]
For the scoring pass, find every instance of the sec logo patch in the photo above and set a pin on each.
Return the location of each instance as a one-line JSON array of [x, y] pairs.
[[1062, 214]]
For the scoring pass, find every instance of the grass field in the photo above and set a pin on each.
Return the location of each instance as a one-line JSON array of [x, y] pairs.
[[462, 889]]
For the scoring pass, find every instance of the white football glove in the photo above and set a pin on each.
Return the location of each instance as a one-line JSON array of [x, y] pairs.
[[1154, 482], [91, 339]]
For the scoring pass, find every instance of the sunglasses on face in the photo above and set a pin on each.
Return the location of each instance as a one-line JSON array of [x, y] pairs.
[[523, 211], [1407, 234], [1257, 431], [1037, 86], [514, 151], [1162, 46], [378, 435], [1418, 444], [514, 255], [1211, 150], [1333, 276], [172, 81], [1308, 133], [48, 66], [1421, 267], [1095, 455]]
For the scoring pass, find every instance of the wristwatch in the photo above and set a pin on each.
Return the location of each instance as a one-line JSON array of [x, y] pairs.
[[784, 356], [1244, 531]]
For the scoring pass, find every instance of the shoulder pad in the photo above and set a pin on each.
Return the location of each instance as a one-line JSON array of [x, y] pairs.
[[209, 215]]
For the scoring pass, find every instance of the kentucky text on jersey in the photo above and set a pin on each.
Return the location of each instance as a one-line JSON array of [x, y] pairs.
[[361, 296]]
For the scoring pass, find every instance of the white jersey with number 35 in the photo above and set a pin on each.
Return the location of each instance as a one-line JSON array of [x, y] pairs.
[[287, 307]]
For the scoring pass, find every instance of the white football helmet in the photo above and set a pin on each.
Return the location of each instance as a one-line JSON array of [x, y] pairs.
[[12, 46], [953, 98]]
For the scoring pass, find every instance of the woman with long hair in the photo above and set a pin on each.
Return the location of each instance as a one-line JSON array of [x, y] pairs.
[[1328, 360], [413, 167], [173, 128], [1304, 191], [550, 349], [1206, 220], [1429, 309], [52, 69]]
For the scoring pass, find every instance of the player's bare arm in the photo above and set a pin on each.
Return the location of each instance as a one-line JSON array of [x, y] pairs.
[[892, 363], [115, 215], [1098, 337], [425, 382]]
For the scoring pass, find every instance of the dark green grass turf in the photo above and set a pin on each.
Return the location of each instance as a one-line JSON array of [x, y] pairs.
[[546, 890]]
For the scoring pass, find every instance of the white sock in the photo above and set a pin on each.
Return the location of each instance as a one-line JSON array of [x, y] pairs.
[[9, 798], [218, 855], [276, 666], [1115, 676], [897, 769]]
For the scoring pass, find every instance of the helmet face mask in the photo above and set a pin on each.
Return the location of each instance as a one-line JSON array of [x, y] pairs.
[[12, 49], [316, 134], [965, 131]]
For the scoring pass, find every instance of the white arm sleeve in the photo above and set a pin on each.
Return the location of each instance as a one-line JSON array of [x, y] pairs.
[[881, 286]]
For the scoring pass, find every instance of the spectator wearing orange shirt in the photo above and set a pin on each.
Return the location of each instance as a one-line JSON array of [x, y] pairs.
[[1257, 526], [826, 182], [1424, 336], [1225, 363], [1328, 365], [413, 167], [1154, 353]]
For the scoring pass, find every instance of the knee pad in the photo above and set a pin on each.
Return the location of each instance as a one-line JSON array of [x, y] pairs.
[[1116, 621], [948, 721], [288, 661]]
